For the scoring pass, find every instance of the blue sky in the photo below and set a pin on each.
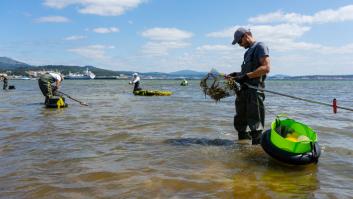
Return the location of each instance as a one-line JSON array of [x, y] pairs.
[[305, 37]]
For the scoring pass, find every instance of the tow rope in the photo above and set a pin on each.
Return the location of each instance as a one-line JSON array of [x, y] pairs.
[[333, 105]]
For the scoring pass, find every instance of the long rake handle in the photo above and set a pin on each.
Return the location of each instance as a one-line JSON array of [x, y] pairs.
[[294, 97], [76, 100], [333, 105]]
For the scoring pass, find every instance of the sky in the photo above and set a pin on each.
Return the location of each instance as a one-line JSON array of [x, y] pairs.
[[305, 37]]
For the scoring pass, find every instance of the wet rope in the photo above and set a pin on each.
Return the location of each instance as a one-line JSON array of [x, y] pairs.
[[298, 98]]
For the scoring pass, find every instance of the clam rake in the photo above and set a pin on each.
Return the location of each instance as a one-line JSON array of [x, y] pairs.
[[76, 100], [334, 105]]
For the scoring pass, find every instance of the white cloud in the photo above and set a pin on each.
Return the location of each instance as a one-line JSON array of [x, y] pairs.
[[312, 63], [341, 14], [267, 32], [75, 37], [225, 33], [58, 3], [96, 52], [106, 30], [52, 19], [342, 50], [219, 48], [289, 54], [281, 37], [164, 39], [286, 36], [279, 32], [166, 34], [97, 7], [162, 48]]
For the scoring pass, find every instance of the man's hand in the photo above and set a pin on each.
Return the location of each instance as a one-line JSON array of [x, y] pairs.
[[231, 75], [235, 74], [241, 79]]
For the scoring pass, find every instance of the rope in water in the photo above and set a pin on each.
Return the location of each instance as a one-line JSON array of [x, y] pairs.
[[333, 105]]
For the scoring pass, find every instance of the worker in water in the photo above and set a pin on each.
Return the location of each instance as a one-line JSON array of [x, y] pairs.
[[250, 110], [5, 80], [49, 83], [136, 81], [184, 82]]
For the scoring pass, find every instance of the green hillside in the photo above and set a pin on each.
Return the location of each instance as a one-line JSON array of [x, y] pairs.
[[61, 68]]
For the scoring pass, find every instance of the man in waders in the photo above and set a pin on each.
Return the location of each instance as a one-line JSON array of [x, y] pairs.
[[136, 81], [5, 80], [249, 107], [45, 84]]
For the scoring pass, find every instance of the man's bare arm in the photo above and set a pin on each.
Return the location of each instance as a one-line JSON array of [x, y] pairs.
[[262, 70]]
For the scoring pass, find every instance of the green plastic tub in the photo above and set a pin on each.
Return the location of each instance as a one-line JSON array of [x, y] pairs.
[[279, 140]]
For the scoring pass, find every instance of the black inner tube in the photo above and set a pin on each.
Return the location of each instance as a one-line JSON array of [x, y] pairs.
[[288, 157], [52, 103]]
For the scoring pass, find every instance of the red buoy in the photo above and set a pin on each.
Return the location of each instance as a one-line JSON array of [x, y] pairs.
[[334, 105]]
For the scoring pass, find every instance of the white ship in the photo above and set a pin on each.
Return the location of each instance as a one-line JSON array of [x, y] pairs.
[[86, 75]]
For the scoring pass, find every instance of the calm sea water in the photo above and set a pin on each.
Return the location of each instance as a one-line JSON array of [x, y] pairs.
[[183, 146]]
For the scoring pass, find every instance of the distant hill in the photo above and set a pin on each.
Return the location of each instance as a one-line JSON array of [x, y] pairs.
[[8, 63], [78, 69], [62, 69], [187, 73], [159, 74], [323, 77], [20, 68], [181, 73], [278, 77], [311, 77]]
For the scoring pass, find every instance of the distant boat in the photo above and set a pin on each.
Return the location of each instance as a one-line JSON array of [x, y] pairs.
[[86, 75]]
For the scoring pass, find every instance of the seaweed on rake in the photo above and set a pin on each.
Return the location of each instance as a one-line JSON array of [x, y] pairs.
[[217, 87]]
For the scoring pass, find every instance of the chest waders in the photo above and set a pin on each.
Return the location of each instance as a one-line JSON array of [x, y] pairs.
[[5, 84], [137, 86], [249, 107], [45, 86]]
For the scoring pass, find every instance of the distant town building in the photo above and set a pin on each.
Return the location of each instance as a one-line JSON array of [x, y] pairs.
[[36, 74]]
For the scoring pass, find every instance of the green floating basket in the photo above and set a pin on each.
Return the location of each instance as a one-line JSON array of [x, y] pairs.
[[290, 146]]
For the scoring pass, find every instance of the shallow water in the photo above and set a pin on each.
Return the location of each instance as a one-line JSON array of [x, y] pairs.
[[183, 146]]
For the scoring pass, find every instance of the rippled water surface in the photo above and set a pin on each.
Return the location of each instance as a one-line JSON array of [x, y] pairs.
[[183, 146]]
